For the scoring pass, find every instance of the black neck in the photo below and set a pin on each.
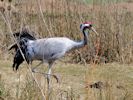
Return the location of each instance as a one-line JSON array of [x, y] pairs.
[[85, 36]]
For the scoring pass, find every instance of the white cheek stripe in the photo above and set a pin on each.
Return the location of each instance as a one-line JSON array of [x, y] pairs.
[[84, 25]]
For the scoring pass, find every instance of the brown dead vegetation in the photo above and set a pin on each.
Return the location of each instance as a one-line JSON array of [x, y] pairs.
[[62, 18]]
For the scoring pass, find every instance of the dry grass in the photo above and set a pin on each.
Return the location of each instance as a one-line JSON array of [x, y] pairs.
[[74, 83], [49, 18], [62, 18]]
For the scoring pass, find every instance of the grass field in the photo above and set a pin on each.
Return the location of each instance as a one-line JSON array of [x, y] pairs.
[[113, 20], [75, 81]]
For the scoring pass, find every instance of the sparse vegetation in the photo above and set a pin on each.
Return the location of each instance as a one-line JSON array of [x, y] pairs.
[[74, 84], [48, 18]]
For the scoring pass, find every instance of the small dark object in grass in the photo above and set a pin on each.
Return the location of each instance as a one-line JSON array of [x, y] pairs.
[[97, 85]]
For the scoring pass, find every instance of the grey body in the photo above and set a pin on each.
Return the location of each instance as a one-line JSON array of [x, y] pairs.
[[50, 49]]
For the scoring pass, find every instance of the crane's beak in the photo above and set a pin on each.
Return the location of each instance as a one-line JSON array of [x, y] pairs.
[[93, 29]]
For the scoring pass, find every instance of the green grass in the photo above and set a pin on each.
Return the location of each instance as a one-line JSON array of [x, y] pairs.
[[74, 82]]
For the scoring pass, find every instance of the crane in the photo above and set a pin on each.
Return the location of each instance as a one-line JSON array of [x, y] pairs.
[[51, 49]]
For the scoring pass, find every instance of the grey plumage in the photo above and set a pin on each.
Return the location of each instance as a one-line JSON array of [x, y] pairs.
[[50, 49]]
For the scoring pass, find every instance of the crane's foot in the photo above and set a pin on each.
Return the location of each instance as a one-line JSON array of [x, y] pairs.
[[33, 70], [54, 76], [57, 78], [45, 74]]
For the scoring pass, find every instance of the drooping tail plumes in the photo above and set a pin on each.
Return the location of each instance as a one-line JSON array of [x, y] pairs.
[[18, 58]]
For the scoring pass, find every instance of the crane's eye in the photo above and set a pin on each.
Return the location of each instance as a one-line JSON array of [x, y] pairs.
[[90, 25]]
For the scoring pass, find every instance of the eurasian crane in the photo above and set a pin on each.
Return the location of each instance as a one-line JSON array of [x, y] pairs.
[[50, 49]]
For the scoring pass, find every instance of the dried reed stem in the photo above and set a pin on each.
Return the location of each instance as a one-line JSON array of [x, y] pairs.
[[29, 67]]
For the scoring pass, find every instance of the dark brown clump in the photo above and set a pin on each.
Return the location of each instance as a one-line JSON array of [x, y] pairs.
[[97, 85]]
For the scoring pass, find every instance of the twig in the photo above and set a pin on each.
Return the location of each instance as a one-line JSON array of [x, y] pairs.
[[29, 67], [40, 8]]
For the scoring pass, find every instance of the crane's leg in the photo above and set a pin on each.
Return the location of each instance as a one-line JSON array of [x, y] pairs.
[[33, 69], [49, 74]]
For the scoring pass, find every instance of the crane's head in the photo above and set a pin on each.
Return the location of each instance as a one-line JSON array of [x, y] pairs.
[[87, 25]]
